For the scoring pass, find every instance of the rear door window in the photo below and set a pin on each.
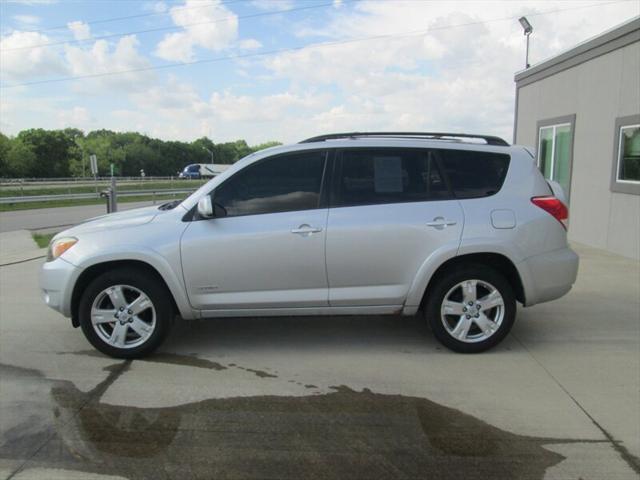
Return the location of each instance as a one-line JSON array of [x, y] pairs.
[[376, 176], [474, 174]]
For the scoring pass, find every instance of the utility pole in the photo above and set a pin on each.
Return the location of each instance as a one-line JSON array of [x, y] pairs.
[[113, 198]]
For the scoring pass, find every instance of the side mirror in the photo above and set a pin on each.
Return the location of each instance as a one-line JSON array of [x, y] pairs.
[[218, 210], [205, 207]]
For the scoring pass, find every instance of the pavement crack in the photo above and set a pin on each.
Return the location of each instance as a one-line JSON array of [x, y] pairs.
[[22, 261], [631, 460]]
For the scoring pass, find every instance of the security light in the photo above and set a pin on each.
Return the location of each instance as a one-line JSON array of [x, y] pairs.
[[526, 25], [528, 29]]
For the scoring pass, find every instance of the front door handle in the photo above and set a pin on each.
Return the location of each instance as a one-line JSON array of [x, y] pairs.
[[306, 229], [440, 223]]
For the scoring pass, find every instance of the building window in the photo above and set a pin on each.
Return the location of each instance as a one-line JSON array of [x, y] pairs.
[[625, 177], [629, 154], [555, 150]]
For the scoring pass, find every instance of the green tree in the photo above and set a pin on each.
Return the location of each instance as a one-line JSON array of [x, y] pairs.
[[60, 153], [53, 149], [21, 160], [262, 146], [5, 146]]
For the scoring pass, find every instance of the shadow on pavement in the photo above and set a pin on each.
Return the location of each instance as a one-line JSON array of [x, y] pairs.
[[344, 434]]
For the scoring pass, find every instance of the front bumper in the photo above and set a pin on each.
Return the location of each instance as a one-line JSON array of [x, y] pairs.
[[549, 275], [56, 282]]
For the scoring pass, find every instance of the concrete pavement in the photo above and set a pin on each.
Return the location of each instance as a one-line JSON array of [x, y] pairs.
[[18, 246], [339, 397]]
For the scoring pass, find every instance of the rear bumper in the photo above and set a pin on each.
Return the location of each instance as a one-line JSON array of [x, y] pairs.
[[549, 275], [56, 283]]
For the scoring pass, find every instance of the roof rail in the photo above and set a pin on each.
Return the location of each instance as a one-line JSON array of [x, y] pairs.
[[491, 140]]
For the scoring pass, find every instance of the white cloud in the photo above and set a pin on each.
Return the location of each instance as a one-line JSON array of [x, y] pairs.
[[22, 60], [211, 26], [19, 62], [32, 2], [270, 108], [459, 76], [27, 19], [249, 44], [19, 110], [159, 7], [273, 4], [77, 117], [176, 110], [80, 30], [173, 97], [102, 59]]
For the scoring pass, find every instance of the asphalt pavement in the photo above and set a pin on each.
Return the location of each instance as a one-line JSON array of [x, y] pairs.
[[336, 397], [48, 218]]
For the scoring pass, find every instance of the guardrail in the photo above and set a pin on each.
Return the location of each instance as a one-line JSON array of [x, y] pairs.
[[93, 195], [38, 181]]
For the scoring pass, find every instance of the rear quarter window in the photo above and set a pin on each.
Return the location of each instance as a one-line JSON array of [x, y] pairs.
[[474, 174]]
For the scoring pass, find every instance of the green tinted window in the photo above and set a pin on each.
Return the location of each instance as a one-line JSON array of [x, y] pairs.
[[629, 157], [545, 150], [562, 157], [554, 153]]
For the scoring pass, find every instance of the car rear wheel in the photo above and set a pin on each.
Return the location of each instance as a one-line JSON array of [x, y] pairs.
[[471, 309], [126, 313]]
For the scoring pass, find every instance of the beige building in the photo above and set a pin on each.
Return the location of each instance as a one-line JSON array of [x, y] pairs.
[[581, 111]]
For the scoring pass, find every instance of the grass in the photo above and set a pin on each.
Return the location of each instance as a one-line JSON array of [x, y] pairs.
[[10, 207], [43, 239]]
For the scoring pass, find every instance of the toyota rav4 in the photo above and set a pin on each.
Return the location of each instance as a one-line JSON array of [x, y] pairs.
[[457, 227]]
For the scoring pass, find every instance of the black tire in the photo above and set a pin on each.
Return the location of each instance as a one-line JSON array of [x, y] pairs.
[[447, 281], [152, 287]]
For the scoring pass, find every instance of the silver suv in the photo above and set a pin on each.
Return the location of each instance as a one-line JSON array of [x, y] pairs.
[[457, 227]]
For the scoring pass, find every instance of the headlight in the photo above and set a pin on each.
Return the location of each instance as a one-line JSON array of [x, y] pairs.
[[59, 246]]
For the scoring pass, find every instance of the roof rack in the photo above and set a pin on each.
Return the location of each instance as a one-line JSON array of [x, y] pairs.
[[491, 140]]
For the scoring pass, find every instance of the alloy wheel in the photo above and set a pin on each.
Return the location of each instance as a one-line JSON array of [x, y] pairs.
[[123, 316], [472, 311]]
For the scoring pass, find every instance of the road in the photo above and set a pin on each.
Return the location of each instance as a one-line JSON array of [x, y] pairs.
[[45, 218], [331, 398]]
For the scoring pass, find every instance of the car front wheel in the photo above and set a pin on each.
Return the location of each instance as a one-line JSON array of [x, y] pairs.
[[471, 309], [126, 313]]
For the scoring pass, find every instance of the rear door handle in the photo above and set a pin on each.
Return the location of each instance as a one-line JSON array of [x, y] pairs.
[[440, 223], [306, 229]]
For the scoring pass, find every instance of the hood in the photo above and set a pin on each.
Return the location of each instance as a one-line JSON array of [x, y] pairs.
[[110, 221]]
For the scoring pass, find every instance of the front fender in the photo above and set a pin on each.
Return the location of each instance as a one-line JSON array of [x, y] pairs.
[[170, 274]]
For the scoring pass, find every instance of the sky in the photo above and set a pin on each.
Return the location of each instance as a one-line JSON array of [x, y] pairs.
[[278, 69]]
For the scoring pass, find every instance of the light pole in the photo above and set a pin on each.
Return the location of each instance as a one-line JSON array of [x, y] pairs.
[[205, 148], [528, 29]]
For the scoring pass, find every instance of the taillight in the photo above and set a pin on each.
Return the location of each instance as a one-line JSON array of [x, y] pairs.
[[553, 206]]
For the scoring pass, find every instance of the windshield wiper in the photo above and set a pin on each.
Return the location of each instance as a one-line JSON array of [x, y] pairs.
[[170, 205]]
